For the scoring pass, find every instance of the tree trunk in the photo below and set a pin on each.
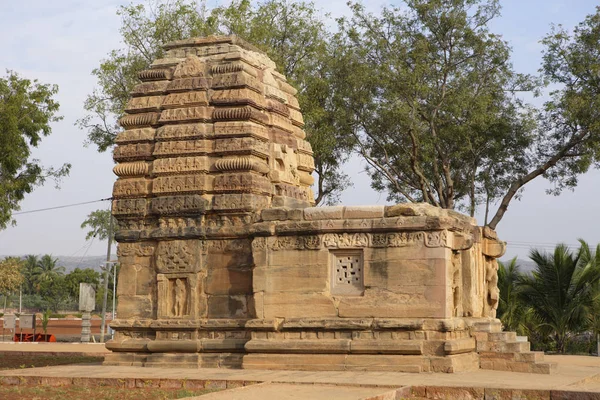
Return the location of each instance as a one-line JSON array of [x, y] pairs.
[[519, 183]]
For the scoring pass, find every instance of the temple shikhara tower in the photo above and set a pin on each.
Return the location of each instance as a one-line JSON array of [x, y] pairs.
[[226, 263]]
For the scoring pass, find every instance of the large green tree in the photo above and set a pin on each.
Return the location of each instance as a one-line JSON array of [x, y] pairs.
[[27, 109], [430, 91], [292, 33], [433, 98]]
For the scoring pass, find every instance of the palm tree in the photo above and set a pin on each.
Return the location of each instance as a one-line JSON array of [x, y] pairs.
[[561, 290], [511, 309], [31, 272], [49, 269]]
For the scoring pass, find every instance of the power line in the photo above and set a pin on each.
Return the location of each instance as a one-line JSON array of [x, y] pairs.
[[64, 206]]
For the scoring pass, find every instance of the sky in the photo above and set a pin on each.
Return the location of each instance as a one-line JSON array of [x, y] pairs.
[[62, 41]]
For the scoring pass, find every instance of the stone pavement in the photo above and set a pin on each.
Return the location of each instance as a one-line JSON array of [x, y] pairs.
[[574, 373], [41, 347]]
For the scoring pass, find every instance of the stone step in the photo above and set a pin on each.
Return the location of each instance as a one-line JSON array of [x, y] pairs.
[[487, 326], [520, 347], [502, 337], [518, 366], [530, 356]]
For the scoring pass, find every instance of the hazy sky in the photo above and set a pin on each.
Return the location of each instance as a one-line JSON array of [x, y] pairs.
[[61, 41]]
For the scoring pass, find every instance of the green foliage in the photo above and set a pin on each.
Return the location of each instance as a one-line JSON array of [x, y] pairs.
[[77, 276], [431, 92], [27, 108], [45, 319], [561, 290], [54, 292], [510, 310], [31, 271], [292, 33], [10, 275], [98, 223]]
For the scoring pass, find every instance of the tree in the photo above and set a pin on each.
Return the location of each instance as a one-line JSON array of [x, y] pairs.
[[49, 270], [10, 275], [31, 271], [77, 276], [511, 309], [98, 223], [291, 32], [27, 108], [54, 292], [569, 132], [561, 290], [432, 95], [430, 90]]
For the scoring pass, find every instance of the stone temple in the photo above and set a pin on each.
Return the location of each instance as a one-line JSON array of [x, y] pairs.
[[226, 263]]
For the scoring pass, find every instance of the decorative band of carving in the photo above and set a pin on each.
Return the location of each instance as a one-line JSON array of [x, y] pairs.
[[241, 164], [131, 169], [184, 131], [278, 107], [139, 120], [129, 207], [154, 75], [186, 114], [233, 67], [353, 240], [148, 88], [181, 85], [170, 205], [132, 152], [135, 135], [240, 113], [135, 249]]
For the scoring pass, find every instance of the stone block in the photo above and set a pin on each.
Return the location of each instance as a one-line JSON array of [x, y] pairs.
[[295, 362], [391, 363], [298, 305], [414, 347], [136, 306], [228, 281], [382, 303], [136, 279], [313, 259], [458, 346], [307, 346], [275, 214], [395, 274], [462, 393], [228, 306], [455, 363], [304, 279], [356, 212], [321, 213]]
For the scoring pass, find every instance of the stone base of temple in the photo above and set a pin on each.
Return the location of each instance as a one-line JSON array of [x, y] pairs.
[[399, 345]]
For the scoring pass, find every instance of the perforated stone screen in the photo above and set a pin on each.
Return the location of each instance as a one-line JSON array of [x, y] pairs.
[[347, 273]]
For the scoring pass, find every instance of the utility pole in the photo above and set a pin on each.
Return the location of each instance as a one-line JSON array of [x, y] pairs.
[[106, 272]]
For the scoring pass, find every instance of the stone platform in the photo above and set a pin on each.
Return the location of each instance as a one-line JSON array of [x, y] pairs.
[[577, 377]]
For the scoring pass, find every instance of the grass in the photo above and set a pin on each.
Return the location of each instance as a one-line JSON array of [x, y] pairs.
[[95, 393], [32, 360]]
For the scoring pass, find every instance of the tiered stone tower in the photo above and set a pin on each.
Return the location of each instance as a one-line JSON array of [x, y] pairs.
[[225, 263]]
